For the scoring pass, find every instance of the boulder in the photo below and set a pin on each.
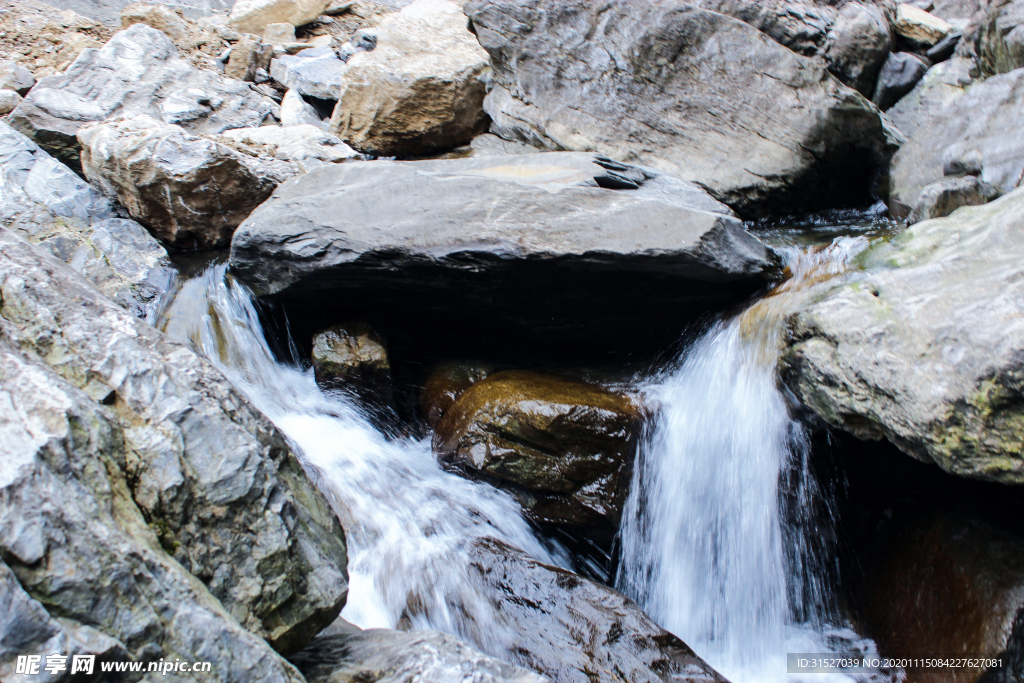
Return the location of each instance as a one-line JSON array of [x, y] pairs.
[[1000, 37], [949, 583], [109, 11], [47, 203], [127, 450], [574, 630], [919, 27], [858, 45], [279, 34], [295, 111], [949, 194], [315, 72], [942, 298], [684, 90], [248, 56], [899, 75], [421, 89], [13, 76], [138, 72], [983, 120], [801, 26], [536, 244], [953, 10], [354, 358], [9, 99], [304, 146], [157, 16], [190, 192], [351, 655], [945, 48], [445, 384], [939, 86], [563, 448], [252, 16]]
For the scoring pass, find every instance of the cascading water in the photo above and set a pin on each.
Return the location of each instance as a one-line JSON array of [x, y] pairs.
[[408, 523], [717, 539]]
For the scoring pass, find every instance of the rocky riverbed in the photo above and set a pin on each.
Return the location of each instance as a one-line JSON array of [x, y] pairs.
[[510, 340]]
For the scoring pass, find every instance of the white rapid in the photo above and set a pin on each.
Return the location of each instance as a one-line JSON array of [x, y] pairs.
[[408, 523], [724, 536]]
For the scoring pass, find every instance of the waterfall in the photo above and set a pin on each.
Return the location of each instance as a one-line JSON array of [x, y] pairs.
[[408, 523], [721, 543]]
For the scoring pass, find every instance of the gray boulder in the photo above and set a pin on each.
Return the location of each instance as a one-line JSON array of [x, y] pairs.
[[147, 446], [190, 191], [109, 11], [314, 72], [999, 40], [13, 76], [800, 26], [924, 346], [899, 75], [949, 194], [858, 44], [47, 203], [137, 72], [984, 119], [760, 127], [346, 654], [521, 240], [940, 85], [574, 630]]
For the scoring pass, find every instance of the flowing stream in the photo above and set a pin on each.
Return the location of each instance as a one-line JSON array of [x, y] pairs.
[[724, 538]]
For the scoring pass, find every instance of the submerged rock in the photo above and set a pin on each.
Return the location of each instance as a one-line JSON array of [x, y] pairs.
[[684, 90], [924, 347], [354, 358], [983, 120], [421, 89], [47, 203], [137, 72], [534, 242], [189, 191], [128, 445], [574, 630], [563, 448], [351, 655]]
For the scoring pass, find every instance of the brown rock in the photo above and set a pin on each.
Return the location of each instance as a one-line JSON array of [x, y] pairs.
[[563, 447], [354, 358], [445, 384]]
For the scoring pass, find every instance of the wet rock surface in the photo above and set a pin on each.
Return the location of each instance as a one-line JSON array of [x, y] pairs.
[[420, 89], [353, 357], [351, 655], [708, 109], [138, 72], [575, 630], [45, 202], [444, 386], [979, 121], [942, 297], [160, 453], [563, 448]]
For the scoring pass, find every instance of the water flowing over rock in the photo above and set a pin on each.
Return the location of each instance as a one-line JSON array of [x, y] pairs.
[[137, 72], [419, 90], [944, 299], [685, 90], [563, 448], [44, 201], [159, 451], [983, 120], [496, 238], [189, 191], [578, 631], [384, 656]]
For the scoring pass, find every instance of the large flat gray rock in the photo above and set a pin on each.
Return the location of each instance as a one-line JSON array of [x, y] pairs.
[[685, 90], [552, 237], [924, 346]]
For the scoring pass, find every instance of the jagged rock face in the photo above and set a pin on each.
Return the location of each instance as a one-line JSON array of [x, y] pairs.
[[685, 90], [924, 346], [352, 656], [48, 204], [420, 90], [984, 121], [563, 448], [138, 72], [191, 192], [535, 244], [158, 451], [577, 631]]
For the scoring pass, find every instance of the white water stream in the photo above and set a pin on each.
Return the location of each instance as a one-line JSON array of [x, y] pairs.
[[706, 549]]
